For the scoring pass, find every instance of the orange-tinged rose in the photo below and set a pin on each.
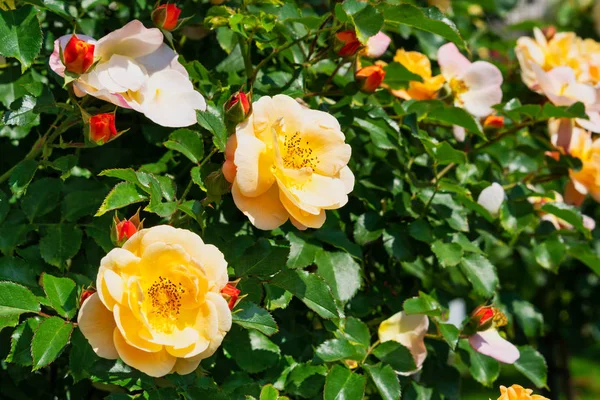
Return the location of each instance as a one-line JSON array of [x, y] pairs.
[[347, 43], [166, 16], [517, 392], [78, 55], [419, 64], [494, 121], [289, 162], [159, 305], [369, 78], [102, 128]]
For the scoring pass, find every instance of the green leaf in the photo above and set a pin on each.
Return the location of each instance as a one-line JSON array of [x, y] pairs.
[[22, 112], [81, 356], [41, 198], [456, 116], [276, 297], [445, 154], [421, 230], [448, 254], [49, 340], [250, 349], [529, 319], [576, 110], [20, 345], [396, 355], [426, 19], [60, 243], [21, 176], [251, 316], [262, 259], [385, 380], [550, 253], [62, 293], [334, 350], [268, 392], [368, 228], [533, 365], [188, 143], [366, 19], [567, 213], [16, 300], [584, 253], [450, 333], [341, 272], [302, 251], [484, 369], [17, 270], [310, 289], [21, 35], [341, 383], [397, 243], [481, 273], [215, 125], [424, 304], [123, 194], [396, 76], [306, 380], [357, 331]]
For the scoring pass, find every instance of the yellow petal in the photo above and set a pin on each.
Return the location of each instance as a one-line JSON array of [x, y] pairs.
[[265, 211], [304, 218], [130, 328], [154, 364], [320, 192], [97, 324], [253, 162], [214, 264], [184, 366]]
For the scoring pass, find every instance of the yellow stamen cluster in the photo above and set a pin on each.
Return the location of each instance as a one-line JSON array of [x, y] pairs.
[[298, 155], [165, 298]]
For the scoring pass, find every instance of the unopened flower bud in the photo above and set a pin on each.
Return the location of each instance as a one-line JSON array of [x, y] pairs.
[[494, 121], [78, 55], [549, 31], [369, 78], [102, 128], [346, 43], [483, 316], [85, 294], [237, 108], [166, 16], [123, 230], [232, 293]]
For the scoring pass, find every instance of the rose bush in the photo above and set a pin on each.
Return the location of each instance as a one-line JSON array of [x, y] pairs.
[[298, 199]]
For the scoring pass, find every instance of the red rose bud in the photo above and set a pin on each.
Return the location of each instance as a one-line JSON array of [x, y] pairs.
[[347, 43], [369, 78], [237, 108], [123, 230], [78, 55], [232, 292], [102, 128], [483, 315], [85, 294], [494, 121], [166, 16], [549, 31]]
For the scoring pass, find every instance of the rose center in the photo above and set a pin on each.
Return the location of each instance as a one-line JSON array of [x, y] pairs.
[[165, 299], [458, 87], [297, 154]]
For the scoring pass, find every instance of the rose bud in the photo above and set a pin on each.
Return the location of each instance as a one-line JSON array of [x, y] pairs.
[[232, 292], [102, 128], [369, 78], [166, 16], [123, 230], [237, 108], [85, 294], [346, 43], [494, 121], [78, 55]]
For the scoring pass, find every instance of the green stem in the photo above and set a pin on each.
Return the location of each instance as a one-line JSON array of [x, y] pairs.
[[37, 147], [370, 350]]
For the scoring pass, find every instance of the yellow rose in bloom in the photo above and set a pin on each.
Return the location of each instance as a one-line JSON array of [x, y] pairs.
[[419, 64], [290, 162], [158, 306], [516, 392], [587, 179]]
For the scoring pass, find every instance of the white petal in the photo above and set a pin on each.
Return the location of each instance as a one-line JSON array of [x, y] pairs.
[[163, 58], [452, 62], [133, 40], [491, 198], [126, 72], [491, 344], [459, 133], [479, 102], [482, 74]]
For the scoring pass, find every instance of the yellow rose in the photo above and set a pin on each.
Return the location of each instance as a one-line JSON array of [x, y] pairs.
[[290, 162], [516, 392], [419, 64], [563, 49], [587, 179], [158, 306]]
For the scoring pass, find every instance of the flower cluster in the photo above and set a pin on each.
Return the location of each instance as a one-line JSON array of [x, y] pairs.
[[131, 68]]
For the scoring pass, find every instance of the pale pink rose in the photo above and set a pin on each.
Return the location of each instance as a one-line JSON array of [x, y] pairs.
[[377, 45], [136, 70], [491, 198], [476, 86], [491, 344]]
